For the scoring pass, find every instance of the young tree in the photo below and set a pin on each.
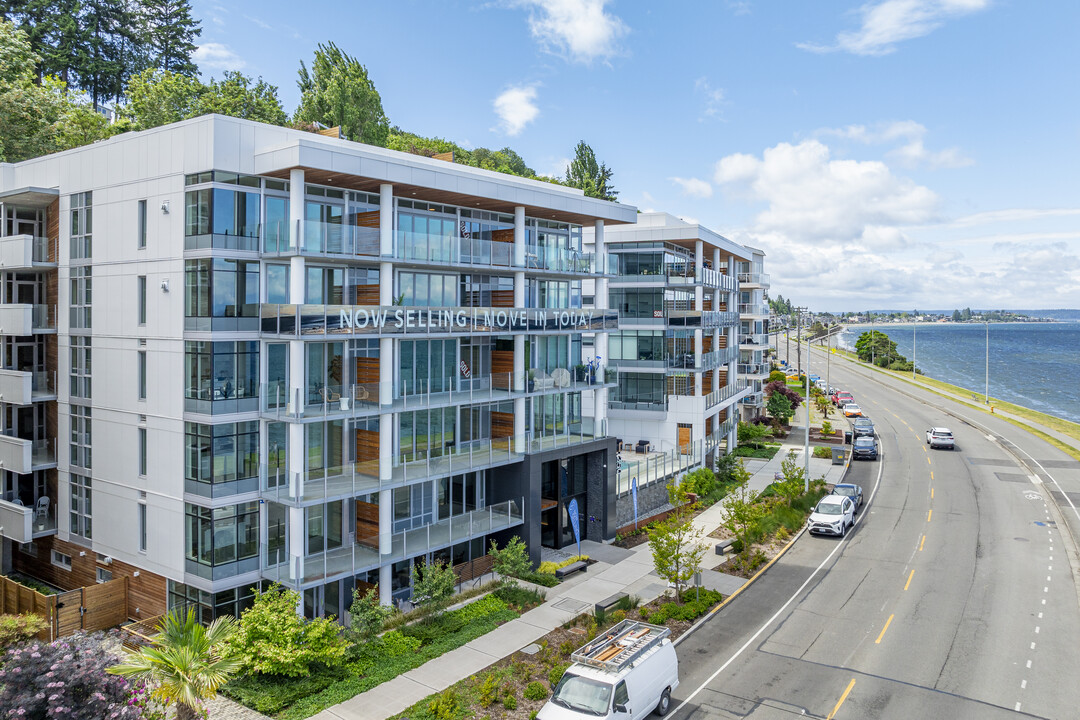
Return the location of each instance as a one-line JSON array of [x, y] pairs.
[[779, 407], [794, 480], [367, 615], [752, 434], [433, 584], [338, 92], [237, 95], [171, 33], [675, 542], [512, 561], [742, 513], [592, 177], [157, 97], [274, 640], [185, 662]]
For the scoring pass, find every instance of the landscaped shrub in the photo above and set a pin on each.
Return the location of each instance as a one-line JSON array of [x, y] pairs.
[[394, 644], [535, 691], [446, 706], [489, 690], [33, 584], [65, 678], [822, 452], [269, 694], [16, 628], [510, 701], [517, 596], [555, 674], [548, 568]]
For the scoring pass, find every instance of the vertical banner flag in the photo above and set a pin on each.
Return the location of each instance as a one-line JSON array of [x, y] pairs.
[[575, 523], [633, 492]]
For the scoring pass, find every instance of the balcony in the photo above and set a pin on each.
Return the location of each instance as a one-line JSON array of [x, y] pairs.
[[23, 388], [725, 393], [364, 399], [364, 553], [222, 241], [701, 318], [24, 456], [709, 360], [758, 341], [755, 309], [753, 369], [21, 252], [757, 279]]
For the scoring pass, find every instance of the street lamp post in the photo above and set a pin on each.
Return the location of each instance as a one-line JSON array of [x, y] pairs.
[[914, 320], [806, 401], [987, 400]]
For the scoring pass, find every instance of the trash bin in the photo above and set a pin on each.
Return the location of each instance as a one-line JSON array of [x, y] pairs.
[[847, 437], [839, 455]]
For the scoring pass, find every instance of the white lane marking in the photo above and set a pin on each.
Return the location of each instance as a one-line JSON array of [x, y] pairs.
[[1017, 707], [1044, 601], [1036, 629], [1047, 578], [1032, 646], [1029, 664], [1023, 684], [1040, 616], [1046, 589], [767, 623]]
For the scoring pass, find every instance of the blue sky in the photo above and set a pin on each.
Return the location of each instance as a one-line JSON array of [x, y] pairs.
[[892, 153]]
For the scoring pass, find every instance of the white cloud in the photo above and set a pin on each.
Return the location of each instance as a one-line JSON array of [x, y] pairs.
[[516, 108], [1013, 215], [813, 198], [647, 202], [912, 153], [739, 7], [558, 168], [693, 187], [215, 56], [714, 97], [257, 21], [886, 23], [579, 30]]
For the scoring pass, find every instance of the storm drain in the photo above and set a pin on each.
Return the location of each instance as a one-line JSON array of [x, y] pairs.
[[570, 605]]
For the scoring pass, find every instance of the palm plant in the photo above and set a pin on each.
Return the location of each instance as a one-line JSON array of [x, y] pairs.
[[184, 662]]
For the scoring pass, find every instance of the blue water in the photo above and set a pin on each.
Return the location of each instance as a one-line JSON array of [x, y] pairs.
[[1031, 364]]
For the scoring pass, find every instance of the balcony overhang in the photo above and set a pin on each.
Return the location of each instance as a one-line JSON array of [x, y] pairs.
[[354, 166], [30, 197]]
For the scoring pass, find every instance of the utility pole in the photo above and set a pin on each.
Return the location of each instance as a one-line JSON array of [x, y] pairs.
[[787, 339], [798, 338], [828, 360]]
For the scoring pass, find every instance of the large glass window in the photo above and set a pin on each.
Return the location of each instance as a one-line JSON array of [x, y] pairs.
[[82, 225], [427, 433], [427, 289], [640, 388], [323, 227], [427, 366], [636, 345], [221, 459], [277, 284], [211, 605], [324, 524], [326, 448], [80, 447], [222, 542], [424, 237], [80, 515], [80, 298], [222, 377], [325, 286], [80, 366], [221, 218], [221, 288], [276, 227]]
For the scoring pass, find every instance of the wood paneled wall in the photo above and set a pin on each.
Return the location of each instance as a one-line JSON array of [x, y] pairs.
[[502, 425], [503, 236], [368, 219], [367, 524], [706, 383], [502, 363]]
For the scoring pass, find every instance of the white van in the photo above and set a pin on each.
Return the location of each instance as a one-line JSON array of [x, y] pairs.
[[624, 674]]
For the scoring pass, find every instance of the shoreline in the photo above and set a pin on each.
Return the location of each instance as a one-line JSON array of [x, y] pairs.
[[951, 323]]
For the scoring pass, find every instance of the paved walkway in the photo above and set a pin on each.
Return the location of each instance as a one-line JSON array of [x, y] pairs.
[[615, 570]]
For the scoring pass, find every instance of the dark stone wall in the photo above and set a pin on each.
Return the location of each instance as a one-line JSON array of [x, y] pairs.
[[651, 500]]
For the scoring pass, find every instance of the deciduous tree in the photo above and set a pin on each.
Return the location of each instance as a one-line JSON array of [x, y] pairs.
[[433, 584], [675, 542]]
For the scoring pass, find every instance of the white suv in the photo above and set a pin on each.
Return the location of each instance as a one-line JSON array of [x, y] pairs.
[[833, 515], [939, 437]]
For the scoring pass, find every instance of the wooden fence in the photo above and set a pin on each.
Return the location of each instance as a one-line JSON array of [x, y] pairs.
[[97, 607]]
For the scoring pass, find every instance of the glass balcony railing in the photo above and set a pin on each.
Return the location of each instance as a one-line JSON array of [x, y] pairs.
[[727, 392], [43, 452], [248, 241], [753, 369], [44, 317], [754, 339], [701, 318], [752, 309], [364, 553], [754, 278], [365, 399]]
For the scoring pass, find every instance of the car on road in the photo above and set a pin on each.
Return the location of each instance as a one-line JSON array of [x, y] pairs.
[[864, 448], [834, 515], [842, 398], [852, 491], [852, 410], [862, 426], [939, 437]]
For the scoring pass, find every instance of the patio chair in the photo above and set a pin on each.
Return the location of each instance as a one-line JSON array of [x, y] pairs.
[[41, 510], [329, 395]]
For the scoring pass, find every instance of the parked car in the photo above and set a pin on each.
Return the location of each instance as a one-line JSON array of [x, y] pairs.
[[842, 398], [939, 437], [864, 448], [861, 426], [833, 515], [852, 410], [852, 491]]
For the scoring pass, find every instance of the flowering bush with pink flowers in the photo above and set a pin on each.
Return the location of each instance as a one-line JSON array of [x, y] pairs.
[[65, 679]]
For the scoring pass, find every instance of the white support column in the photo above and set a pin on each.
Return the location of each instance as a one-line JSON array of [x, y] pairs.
[[600, 302], [296, 208], [519, 425], [599, 246], [697, 362], [519, 236], [699, 255], [733, 333], [386, 220], [716, 259]]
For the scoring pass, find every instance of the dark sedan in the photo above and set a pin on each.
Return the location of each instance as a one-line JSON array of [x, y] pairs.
[[862, 426]]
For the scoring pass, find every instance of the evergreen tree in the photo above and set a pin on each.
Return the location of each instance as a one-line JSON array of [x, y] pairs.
[[338, 92], [592, 177], [171, 33], [956, 316]]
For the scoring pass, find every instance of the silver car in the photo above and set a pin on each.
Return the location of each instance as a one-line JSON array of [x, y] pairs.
[[939, 437], [834, 515]]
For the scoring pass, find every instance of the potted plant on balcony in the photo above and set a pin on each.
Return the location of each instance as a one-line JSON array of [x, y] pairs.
[[581, 373], [532, 379]]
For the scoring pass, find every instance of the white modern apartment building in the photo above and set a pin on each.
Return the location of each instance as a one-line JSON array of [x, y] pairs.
[[754, 331], [677, 347], [236, 354]]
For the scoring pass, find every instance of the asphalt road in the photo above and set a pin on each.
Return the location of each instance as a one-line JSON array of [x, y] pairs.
[[955, 596]]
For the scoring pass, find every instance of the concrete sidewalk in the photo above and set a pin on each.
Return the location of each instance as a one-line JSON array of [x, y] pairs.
[[615, 570]]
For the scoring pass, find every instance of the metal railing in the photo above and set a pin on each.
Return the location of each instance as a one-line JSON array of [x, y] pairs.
[[754, 278], [364, 553], [753, 368], [727, 392], [752, 309], [44, 317], [754, 339]]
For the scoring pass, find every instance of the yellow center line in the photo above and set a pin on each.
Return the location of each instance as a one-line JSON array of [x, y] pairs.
[[842, 699], [929, 514], [909, 580], [922, 542], [931, 489], [887, 623], [925, 450], [928, 460], [931, 476]]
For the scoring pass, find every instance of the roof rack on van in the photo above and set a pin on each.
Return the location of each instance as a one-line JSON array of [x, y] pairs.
[[621, 645]]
